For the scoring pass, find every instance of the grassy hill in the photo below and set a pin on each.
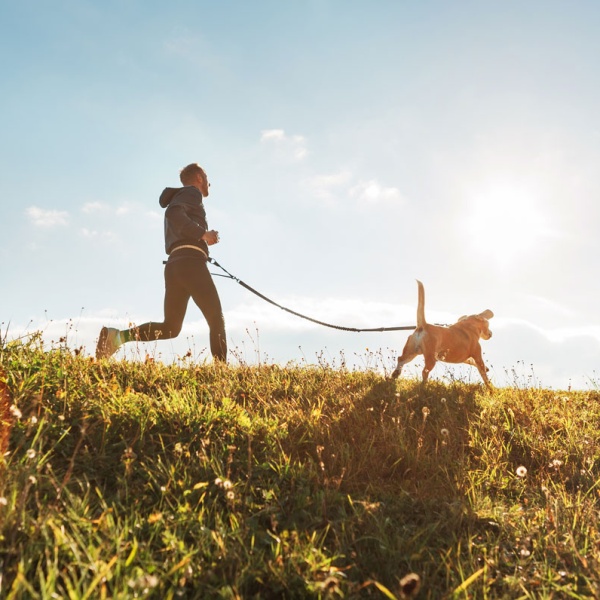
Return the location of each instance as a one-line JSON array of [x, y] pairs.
[[135, 480]]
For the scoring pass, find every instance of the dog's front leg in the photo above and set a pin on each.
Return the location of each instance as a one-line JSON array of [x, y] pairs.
[[478, 362]]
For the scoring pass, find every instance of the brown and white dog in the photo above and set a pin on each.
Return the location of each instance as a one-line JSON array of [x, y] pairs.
[[458, 343]]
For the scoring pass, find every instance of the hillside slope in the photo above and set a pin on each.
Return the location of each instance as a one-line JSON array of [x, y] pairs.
[[128, 479]]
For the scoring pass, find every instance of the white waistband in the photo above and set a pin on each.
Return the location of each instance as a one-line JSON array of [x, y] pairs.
[[189, 246]]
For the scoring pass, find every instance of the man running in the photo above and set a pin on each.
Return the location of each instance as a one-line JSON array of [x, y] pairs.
[[187, 238]]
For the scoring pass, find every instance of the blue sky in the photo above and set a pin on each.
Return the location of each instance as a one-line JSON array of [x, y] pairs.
[[352, 147]]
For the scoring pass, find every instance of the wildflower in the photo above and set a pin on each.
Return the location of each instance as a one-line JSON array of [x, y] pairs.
[[32, 480], [445, 432], [218, 482], [155, 517], [521, 471], [30, 453], [15, 412], [230, 495], [556, 463], [178, 448], [129, 454], [227, 485], [3, 501], [443, 400], [163, 488], [33, 420], [144, 583]]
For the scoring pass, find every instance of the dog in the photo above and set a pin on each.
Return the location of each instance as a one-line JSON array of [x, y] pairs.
[[458, 343]]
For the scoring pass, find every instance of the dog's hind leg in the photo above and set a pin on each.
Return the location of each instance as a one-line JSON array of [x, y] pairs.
[[429, 364], [407, 356]]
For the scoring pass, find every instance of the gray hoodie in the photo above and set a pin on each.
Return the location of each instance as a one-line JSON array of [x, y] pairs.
[[185, 219]]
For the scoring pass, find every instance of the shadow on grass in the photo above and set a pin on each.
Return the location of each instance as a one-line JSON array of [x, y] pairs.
[[390, 467]]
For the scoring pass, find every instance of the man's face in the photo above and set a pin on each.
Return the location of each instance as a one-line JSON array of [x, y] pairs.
[[202, 183]]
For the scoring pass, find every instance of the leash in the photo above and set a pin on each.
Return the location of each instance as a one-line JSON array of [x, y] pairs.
[[228, 275]]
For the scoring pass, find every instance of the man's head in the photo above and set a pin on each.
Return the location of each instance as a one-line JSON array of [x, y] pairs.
[[194, 175]]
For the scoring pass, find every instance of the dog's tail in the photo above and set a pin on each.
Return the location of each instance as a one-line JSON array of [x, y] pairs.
[[421, 322]]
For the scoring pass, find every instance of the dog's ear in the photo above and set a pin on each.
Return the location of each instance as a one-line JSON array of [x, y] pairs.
[[486, 314]]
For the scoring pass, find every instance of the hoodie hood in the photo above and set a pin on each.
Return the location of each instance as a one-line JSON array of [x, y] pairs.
[[167, 195]]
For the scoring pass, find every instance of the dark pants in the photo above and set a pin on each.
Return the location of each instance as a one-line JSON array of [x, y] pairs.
[[187, 278]]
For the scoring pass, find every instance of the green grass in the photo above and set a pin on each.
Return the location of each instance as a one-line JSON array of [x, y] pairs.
[[135, 480]]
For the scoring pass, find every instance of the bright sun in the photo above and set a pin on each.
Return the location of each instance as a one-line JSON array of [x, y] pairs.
[[505, 223]]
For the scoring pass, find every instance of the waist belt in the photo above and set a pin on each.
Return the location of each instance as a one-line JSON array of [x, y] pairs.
[[192, 247]]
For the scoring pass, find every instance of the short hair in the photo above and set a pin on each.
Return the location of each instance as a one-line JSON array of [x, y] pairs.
[[187, 174]]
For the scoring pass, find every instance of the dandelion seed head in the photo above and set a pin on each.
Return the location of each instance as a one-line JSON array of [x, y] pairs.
[[410, 585], [218, 482], [143, 583], [15, 412], [33, 420], [521, 471], [30, 453], [445, 432], [227, 485], [230, 495], [32, 480]]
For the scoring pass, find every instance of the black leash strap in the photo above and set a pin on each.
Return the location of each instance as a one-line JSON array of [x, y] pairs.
[[293, 312]]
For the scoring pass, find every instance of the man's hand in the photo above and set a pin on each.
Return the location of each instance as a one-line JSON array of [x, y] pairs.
[[211, 237]]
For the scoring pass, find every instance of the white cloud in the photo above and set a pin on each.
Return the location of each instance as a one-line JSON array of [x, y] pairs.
[[328, 187], [47, 218], [555, 335], [94, 207], [373, 193], [94, 234], [125, 208], [367, 194], [293, 146], [272, 134]]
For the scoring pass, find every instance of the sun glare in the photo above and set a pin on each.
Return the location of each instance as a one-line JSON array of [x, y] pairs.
[[505, 223]]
